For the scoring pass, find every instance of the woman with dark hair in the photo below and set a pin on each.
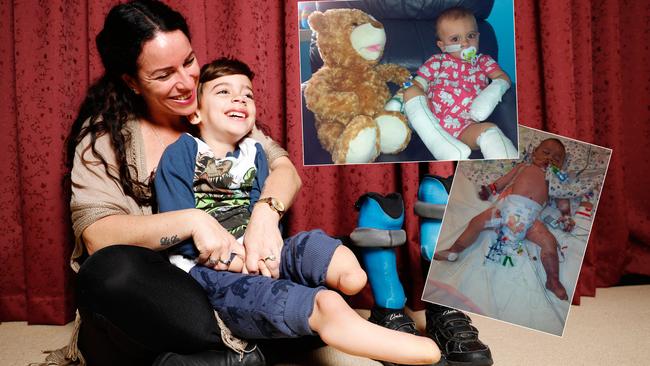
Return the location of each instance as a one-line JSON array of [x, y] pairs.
[[135, 307]]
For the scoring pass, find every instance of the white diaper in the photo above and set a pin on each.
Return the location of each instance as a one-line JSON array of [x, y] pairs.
[[518, 214]]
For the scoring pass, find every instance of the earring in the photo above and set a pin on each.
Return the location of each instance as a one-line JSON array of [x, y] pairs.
[[134, 91]]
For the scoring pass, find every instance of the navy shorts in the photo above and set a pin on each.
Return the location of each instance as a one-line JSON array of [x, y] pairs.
[[254, 306]]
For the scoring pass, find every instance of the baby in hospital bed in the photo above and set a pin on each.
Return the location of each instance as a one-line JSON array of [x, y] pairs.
[[524, 191]]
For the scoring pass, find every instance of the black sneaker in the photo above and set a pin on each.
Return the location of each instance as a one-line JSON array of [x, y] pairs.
[[252, 356], [457, 338], [394, 319]]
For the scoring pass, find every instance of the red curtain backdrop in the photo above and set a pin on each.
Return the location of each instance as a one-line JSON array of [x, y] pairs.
[[582, 73]]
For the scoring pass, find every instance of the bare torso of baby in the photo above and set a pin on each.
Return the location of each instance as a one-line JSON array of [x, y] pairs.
[[529, 182]]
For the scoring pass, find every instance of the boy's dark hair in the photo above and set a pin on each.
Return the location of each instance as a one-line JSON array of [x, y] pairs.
[[222, 67], [453, 13]]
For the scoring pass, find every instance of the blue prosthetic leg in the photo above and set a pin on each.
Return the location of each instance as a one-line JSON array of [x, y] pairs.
[[379, 231], [451, 329], [433, 195]]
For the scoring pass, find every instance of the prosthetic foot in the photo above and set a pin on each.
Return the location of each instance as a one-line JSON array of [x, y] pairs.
[[456, 337], [433, 195]]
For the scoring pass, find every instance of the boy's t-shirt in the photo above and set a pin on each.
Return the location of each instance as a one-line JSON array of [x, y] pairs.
[[190, 176], [453, 85]]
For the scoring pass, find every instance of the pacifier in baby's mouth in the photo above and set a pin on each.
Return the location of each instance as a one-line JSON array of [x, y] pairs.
[[561, 175], [468, 54]]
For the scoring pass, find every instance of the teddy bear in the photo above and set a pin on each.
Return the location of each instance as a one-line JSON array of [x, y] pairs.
[[347, 95]]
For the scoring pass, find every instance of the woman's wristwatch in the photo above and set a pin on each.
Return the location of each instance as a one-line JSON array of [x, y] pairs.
[[275, 204]]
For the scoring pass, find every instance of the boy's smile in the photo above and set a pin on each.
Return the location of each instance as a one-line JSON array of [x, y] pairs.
[[227, 109]]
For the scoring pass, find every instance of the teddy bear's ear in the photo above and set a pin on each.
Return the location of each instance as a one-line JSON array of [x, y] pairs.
[[317, 21]]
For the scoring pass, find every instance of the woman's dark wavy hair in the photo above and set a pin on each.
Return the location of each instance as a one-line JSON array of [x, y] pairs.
[[109, 103]]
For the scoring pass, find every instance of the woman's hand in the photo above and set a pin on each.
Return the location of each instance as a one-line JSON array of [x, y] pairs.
[[263, 242], [217, 248]]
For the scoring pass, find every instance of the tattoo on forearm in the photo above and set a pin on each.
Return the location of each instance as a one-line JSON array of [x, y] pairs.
[[167, 241]]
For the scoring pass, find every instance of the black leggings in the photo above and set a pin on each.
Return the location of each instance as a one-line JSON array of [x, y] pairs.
[[135, 305]]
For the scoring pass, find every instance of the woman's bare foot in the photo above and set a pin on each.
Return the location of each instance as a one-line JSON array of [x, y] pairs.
[[557, 289], [446, 255]]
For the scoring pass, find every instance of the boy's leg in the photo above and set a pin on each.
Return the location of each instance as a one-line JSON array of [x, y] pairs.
[[490, 139], [341, 327], [540, 235], [468, 237], [313, 258], [345, 273], [258, 307]]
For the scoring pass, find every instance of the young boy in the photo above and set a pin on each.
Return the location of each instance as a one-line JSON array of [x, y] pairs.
[[448, 116], [223, 173], [524, 192]]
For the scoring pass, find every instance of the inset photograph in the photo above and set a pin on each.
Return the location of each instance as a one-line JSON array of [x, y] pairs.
[[404, 81], [515, 232]]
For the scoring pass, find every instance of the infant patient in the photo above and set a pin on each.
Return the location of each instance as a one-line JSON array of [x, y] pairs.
[[515, 215], [454, 93]]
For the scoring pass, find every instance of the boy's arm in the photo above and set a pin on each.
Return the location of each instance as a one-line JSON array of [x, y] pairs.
[[485, 102], [175, 175], [497, 186], [174, 191], [262, 172], [499, 74], [420, 83]]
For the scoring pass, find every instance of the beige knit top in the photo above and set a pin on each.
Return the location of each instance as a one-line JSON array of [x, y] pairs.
[[96, 195]]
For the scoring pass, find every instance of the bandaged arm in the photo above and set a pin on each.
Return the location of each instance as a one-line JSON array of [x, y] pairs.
[[488, 98]]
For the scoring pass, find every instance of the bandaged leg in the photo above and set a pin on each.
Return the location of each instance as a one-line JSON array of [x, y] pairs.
[[432, 199], [440, 143], [381, 213], [495, 145]]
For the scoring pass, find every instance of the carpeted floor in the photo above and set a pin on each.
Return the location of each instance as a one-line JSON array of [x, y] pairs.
[[610, 329]]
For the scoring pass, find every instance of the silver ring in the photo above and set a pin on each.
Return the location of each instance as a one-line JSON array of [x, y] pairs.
[[269, 258], [211, 262], [230, 259]]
